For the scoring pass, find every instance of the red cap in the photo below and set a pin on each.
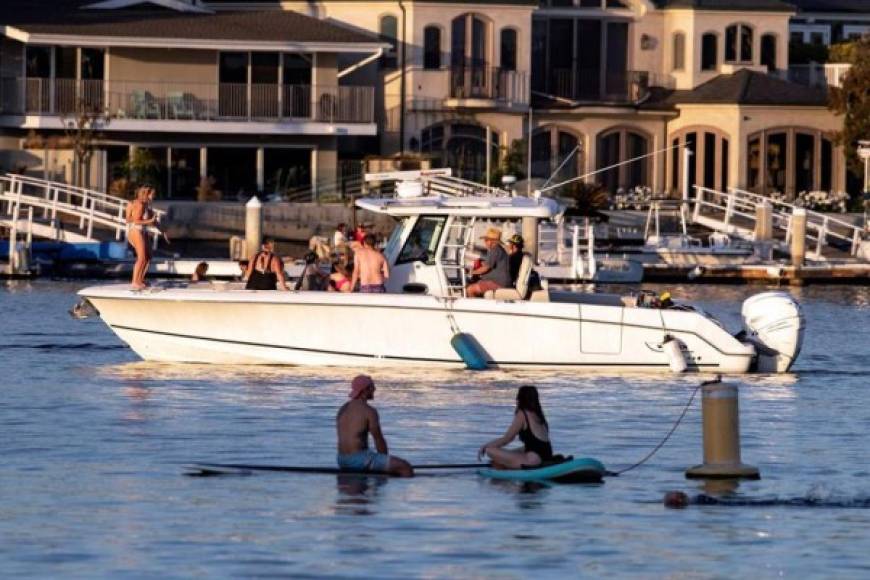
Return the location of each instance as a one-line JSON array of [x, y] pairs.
[[359, 384]]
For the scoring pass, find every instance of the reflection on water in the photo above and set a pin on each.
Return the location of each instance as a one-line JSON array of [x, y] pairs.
[[94, 441]]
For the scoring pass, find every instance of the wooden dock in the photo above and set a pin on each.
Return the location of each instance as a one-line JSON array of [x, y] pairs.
[[771, 273]]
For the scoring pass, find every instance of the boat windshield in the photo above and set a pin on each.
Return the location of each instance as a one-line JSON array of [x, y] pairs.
[[395, 237]]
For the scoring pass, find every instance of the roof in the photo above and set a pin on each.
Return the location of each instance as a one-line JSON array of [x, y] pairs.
[[741, 5], [746, 87], [67, 18], [478, 206], [851, 6]]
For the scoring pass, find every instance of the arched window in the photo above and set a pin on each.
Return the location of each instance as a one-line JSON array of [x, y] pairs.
[[790, 160], [553, 146], [508, 49], [432, 48], [389, 32], [620, 145], [768, 51], [462, 147], [709, 56], [708, 162], [679, 57], [738, 43]]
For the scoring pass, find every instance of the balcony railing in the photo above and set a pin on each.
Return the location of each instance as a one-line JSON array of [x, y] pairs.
[[587, 86], [488, 83], [188, 101], [816, 74]]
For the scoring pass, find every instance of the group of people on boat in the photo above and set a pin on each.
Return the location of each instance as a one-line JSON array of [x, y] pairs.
[[501, 267], [357, 419]]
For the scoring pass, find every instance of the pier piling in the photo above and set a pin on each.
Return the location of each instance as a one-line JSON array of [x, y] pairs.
[[253, 227], [798, 237]]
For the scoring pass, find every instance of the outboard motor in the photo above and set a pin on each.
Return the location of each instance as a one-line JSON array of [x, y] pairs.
[[774, 324]]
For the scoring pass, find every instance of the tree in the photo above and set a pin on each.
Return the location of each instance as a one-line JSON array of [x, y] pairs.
[[83, 129], [852, 101], [513, 162]]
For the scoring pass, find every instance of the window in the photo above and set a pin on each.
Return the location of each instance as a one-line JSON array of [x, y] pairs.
[[432, 48], [389, 32], [738, 43], [768, 51], [679, 57], [618, 146], [553, 147], [708, 164], [790, 160], [423, 240], [462, 147], [508, 49], [468, 57], [709, 58]]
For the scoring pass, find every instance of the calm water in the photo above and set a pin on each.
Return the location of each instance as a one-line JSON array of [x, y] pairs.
[[92, 443]]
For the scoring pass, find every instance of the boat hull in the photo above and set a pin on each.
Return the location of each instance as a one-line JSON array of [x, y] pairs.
[[319, 328]]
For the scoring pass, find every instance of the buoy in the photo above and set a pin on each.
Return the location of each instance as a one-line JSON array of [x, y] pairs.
[[721, 429], [470, 351], [676, 360]]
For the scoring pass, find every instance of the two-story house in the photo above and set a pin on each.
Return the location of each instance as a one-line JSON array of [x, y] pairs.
[[254, 101]]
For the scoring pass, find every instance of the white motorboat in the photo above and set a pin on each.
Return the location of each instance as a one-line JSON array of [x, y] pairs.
[[425, 310]]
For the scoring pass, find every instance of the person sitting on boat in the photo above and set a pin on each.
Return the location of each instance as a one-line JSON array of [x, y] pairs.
[[370, 268], [515, 255], [311, 279], [266, 269], [339, 281], [354, 421], [530, 425], [199, 275], [495, 271]]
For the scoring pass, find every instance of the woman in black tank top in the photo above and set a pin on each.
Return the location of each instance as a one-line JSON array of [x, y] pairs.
[[530, 425], [265, 270]]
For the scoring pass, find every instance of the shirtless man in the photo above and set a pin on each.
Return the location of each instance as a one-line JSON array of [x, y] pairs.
[[354, 421], [369, 268]]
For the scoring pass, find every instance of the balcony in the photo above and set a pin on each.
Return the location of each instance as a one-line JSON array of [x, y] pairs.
[[170, 101], [816, 74], [486, 86], [577, 87]]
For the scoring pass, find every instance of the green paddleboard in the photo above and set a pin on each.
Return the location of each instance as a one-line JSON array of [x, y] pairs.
[[583, 470]]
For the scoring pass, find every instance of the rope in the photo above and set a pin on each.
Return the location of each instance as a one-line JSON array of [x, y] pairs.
[[671, 432]]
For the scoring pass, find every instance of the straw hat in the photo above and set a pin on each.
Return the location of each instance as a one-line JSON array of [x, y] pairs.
[[492, 234]]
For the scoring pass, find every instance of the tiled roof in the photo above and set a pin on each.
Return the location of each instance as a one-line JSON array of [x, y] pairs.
[[65, 17], [749, 5], [746, 87]]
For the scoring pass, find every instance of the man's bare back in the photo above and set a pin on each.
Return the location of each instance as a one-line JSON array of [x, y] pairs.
[[354, 421], [369, 266]]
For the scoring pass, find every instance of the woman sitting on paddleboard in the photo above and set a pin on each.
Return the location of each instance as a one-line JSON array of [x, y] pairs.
[[531, 426]]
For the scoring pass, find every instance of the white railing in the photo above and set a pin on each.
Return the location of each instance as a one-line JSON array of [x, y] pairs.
[[819, 75], [186, 101], [728, 209], [93, 209]]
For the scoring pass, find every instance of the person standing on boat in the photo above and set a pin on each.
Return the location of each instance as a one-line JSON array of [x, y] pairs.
[[266, 269], [139, 218], [530, 425], [370, 268], [354, 421], [495, 271]]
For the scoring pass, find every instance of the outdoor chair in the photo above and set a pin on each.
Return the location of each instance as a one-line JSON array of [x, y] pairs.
[[181, 105], [144, 105]]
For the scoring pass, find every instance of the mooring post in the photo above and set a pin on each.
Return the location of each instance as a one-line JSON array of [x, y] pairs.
[[798, 237], [253, 227], [721, 430]]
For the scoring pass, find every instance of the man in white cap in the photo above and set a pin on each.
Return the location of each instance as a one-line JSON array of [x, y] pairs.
[[354, 421], [495, 272]]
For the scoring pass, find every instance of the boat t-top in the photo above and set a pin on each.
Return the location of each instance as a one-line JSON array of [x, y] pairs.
[[425, 308]]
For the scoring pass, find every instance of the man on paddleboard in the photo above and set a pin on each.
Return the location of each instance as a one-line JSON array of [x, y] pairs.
[[354, 421]]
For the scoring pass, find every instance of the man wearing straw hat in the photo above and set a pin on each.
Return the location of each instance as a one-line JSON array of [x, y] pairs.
[[495, 272]]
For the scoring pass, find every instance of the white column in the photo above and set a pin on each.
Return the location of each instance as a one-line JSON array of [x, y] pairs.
[[203, 162], [261, 169], [488, 153]]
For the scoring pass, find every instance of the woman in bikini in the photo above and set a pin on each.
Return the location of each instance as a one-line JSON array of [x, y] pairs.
[[339, 281], [139, 218], [531, 426], [265, 270]]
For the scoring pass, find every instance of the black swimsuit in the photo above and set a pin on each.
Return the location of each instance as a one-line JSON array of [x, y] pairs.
[[264, 279], [533, 444]]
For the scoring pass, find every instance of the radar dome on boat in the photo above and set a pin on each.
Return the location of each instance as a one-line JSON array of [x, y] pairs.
[[409, 189]]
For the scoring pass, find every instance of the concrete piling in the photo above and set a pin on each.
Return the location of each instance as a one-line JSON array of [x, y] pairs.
[[763, 222], [798, 237], [253, 227], [721, 430]]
